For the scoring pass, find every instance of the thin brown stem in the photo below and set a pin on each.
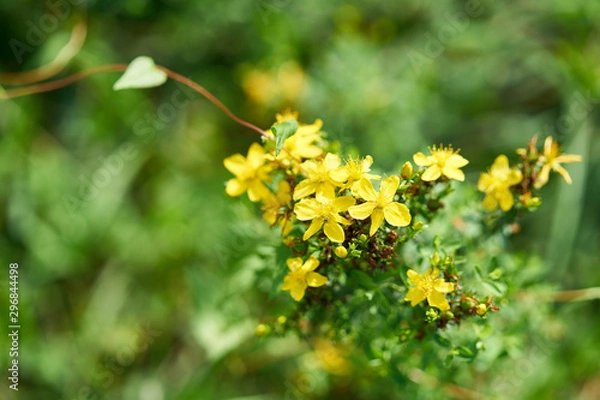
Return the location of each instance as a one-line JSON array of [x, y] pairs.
[[53, 85], [211, 98]]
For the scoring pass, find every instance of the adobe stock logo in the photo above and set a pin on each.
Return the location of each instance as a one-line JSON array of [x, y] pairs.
[[38, 32]]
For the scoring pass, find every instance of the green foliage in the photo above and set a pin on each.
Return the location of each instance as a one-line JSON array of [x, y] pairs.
[[135, 264]]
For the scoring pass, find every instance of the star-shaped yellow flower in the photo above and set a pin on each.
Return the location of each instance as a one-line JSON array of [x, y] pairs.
[[496, 184], [429, 286], [301, 276], [324, 213], [380, 205], [552, 160], [443, 161], [250, 173], [358, 169], [322, 177]]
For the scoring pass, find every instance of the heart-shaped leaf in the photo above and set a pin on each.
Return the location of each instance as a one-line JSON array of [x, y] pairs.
[[282, 131], [141, 73]]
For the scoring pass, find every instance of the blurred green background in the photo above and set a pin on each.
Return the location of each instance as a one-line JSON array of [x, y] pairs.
[[137, 272]]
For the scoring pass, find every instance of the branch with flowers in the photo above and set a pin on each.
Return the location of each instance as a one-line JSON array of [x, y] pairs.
[[349, 235]]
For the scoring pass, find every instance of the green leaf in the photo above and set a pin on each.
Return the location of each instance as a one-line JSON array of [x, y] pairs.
[[464, 352], [141, 73], [282, 131], [362, 279]]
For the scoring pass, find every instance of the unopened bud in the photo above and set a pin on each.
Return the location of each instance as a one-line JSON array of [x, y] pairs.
[[281, 319], [341, 252], [262, 330], [481, 309], [362, 237], [407, 170]]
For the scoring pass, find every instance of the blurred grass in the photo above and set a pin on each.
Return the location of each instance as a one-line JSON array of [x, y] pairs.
[[143, 288]]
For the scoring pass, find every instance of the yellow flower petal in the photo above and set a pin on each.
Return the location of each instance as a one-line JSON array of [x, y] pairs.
[[514, 176], [311, 264], [257, 190], [563, 172], [304, 188], [489, 202], [568, 158], [314, 227], [343, 203], [500, 164], [376, 220], [413, 276], [306, 209], [437, 299], [453, 173], [334, 232], [235, 187], [456, 161], [332, 161], [339, 174], [397, 214], [506, 200], [387, 188], [485, 182], [415, 296], [256, 155], [443, 287], [542, 178], [366, 190], [314, 279], [432, 173], [294, 263], [422, 160], [236, 164], [297, 290], [362, 211], [325, 191]]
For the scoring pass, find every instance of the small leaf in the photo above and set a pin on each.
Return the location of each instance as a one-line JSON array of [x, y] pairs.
[[464, 352], [282, 131], [141, 73]]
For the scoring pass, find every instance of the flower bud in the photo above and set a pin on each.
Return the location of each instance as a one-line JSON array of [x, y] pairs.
[[341, 252], [407, 170], [281, 319], [362, 237], [435, 260], [481, 309], [262, 330]]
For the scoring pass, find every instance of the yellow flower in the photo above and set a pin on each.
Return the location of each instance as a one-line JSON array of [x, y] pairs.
[[496, 184], [250, 173], [430, 288], [324, 213], [273, 203], [380, 205], [356, 170], [301, 276], [552, 160], [442, 161], [321, 177], [332, 357]]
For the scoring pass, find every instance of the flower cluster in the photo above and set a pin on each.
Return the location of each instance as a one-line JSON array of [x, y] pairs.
[[343, 226], [502, 182]]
